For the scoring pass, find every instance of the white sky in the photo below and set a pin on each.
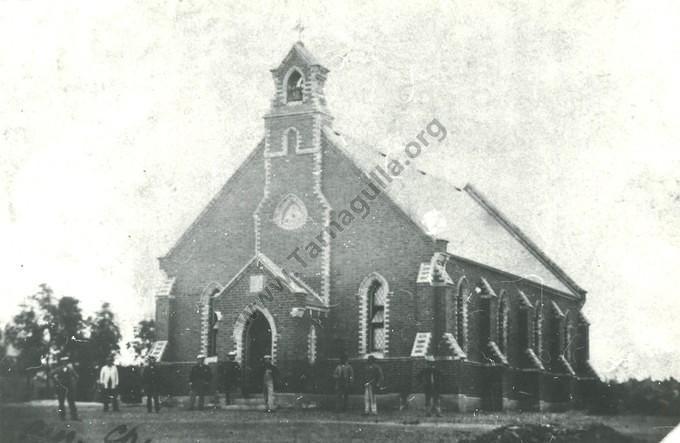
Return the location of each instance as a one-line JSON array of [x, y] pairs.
[[120, 120]]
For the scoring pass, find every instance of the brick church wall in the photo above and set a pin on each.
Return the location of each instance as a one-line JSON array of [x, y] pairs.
[[222, 240], [291, 342], [212, 250], [385, 242]]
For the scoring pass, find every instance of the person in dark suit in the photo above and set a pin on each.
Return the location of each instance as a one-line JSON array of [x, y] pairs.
[[231, 376], [373, 382], [151, 383], [199, 382], [65, 381], [431, 379], [344, 377]]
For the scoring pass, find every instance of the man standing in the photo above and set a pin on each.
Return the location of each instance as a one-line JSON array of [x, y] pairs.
[[151, 382], [269, 378], [431, 378], [373, 381], [108, 379], [199, 382], [344, 377], [231, 376], [65, 381]]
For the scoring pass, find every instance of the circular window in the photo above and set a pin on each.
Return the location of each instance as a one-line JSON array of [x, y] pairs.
[[290, 213]]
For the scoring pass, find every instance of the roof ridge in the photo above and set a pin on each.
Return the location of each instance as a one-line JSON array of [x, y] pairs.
[[296, 279], [224, 188], [523, 239]]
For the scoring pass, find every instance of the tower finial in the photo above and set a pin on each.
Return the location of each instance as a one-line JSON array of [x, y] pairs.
[[299, 27]]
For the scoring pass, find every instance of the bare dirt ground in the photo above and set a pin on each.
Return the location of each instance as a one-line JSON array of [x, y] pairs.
[[38, 422]]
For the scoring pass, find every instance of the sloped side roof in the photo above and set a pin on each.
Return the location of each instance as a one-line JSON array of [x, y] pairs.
[[459, 215]]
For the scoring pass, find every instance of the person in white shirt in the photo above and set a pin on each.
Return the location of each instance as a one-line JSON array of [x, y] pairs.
[[108, 379]]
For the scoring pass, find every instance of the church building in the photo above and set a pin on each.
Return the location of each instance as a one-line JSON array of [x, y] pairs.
[[314, 249]]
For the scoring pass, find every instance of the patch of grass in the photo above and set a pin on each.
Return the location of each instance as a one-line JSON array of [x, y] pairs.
[[175, 425]]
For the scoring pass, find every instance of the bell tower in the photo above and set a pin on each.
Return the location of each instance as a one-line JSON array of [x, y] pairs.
[[298, 106], [293, 209]]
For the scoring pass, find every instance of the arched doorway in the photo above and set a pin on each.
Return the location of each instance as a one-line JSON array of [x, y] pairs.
[[257, 343]]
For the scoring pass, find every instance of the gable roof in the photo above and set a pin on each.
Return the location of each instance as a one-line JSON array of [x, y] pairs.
[[300, 50], [255, 154], [292, 282], [475, 229]]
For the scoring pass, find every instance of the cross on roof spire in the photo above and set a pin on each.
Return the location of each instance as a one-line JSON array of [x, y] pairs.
[[299, 27]]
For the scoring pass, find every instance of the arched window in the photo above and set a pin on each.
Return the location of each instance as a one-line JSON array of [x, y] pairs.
[[525, 317], [294, 87], [503, 324], [311, 344], [210, 318], [537, 344], [555, 345], [580, 346], [215, 317], [376, 313], [461, 313], [290, 140], [373, 315], [567, 347]]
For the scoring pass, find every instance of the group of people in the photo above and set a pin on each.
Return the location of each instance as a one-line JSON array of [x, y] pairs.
[[65, 379], [200, 384], [200, 381], [430, 377]]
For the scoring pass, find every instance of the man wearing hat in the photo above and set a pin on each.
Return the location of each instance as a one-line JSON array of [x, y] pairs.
[[231, 376], [373, 381], [108, 379], [269, 377], [151, 383], [65, 381], [431, 378], [199, 382]]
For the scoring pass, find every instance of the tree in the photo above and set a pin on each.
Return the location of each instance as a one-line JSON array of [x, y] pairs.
[[30, 331], [3, 350], [104, 335], [45, 327], [145, 335], [67, 335]]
